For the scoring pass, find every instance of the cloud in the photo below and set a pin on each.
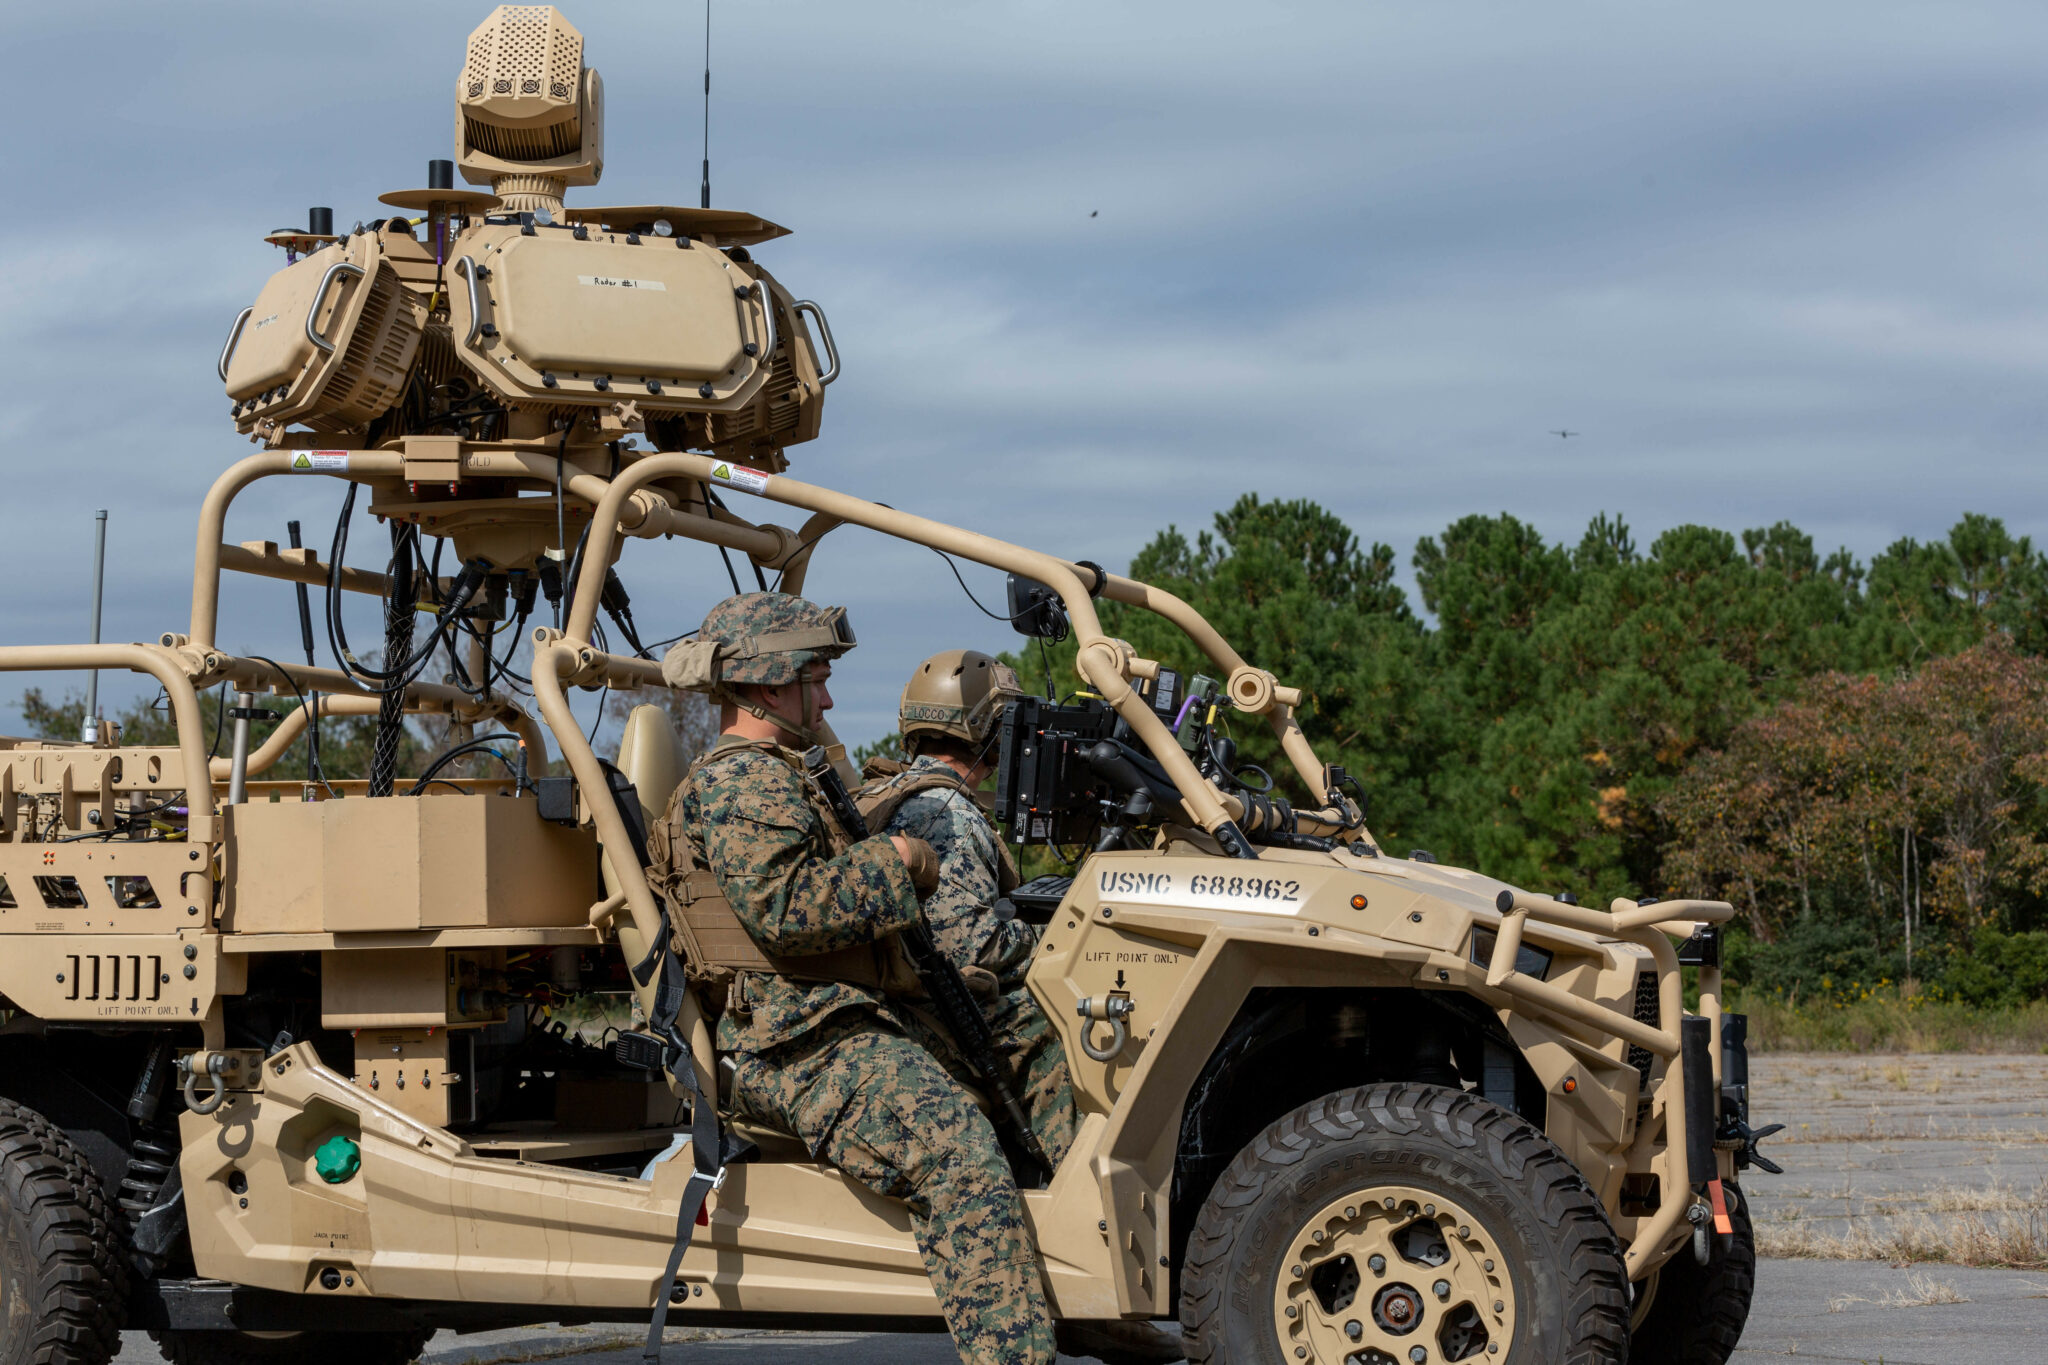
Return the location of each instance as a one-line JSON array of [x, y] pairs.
[[1772, 262]]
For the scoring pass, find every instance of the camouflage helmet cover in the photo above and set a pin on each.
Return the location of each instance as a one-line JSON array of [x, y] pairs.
[[765, 638], [960, 693]]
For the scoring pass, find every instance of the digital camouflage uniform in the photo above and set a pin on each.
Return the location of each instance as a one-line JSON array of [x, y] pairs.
[[964, 925], [829, 1061]]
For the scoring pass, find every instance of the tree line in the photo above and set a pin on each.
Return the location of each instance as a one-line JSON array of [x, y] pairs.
[[1854, 754]]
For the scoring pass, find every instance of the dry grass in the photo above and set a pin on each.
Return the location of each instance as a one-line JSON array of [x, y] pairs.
[[1922, 1291], [2015, 1240], [1890, 1022]]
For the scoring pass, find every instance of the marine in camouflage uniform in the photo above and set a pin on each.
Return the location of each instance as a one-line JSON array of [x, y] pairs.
[[949, 714], [815, 1046]]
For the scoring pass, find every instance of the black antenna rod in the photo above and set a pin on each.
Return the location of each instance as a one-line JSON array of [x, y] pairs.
[[707, 104]]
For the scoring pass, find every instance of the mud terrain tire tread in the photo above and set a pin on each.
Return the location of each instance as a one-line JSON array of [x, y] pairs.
[[1589, 1264], [1700, 1310], [308, 1348], [80, 1296]]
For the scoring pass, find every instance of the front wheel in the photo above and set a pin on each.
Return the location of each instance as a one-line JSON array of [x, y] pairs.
[[1393, 1224]]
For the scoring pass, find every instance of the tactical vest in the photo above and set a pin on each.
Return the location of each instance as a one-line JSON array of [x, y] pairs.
[[889, 784], [706, 934]]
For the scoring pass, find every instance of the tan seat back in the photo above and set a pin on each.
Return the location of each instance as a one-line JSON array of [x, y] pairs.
[[653, 760]]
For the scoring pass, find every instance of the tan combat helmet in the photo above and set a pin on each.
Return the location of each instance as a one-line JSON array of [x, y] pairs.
[[961, 694]]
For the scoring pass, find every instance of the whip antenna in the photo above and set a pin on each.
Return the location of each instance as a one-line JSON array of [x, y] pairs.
[[707, 104]]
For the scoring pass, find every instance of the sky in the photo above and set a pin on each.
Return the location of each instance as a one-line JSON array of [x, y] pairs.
[[1097, 268]]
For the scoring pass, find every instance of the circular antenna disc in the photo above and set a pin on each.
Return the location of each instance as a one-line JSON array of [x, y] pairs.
[[462, 201]]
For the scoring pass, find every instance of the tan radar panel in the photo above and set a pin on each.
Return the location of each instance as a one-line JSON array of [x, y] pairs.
[[329, 340]]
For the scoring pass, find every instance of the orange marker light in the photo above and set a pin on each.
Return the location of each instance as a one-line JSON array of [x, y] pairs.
[[1358, 902], [1570, 1084]]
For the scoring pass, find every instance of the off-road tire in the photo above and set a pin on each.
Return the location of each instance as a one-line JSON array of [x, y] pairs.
[[1560, 1254], [63, 1283], [300, 1348], [1699, 1311]]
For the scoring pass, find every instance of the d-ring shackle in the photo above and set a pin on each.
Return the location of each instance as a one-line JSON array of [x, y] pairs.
[[1115, 1010], [215, 1064]]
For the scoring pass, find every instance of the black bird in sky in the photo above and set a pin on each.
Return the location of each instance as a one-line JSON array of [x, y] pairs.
[[1563, 435]]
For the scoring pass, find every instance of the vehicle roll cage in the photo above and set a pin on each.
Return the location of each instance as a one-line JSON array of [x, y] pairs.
[[651, 495]]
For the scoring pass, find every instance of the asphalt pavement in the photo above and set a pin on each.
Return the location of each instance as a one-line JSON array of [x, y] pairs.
[[1812, 1310]]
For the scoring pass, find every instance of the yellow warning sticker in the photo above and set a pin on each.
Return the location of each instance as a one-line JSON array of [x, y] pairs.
[[739, 476], [319, 461]]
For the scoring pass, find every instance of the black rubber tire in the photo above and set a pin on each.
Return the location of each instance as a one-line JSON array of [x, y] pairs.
[[300, 1348], [1699, 1311], [1572, 1294], [63, 1283]]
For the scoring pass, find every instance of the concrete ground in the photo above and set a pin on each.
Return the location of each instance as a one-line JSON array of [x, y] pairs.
[[1811, 1310], [1904, 1177]]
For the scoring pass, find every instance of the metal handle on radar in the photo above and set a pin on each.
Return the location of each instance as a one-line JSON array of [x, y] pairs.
[[227, 352], [318, 294], [768, 320], [825, 332], [476, 317]]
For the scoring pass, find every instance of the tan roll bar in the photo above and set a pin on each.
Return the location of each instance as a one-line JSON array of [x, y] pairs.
[[168, 669]]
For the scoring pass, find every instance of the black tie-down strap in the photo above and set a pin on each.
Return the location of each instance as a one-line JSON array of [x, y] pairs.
[[705, 1142]]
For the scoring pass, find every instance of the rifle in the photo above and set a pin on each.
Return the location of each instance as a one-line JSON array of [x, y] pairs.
[[958, 1013]]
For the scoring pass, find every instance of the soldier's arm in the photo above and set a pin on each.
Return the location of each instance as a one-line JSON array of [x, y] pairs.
[[763, 842], [964, 840]]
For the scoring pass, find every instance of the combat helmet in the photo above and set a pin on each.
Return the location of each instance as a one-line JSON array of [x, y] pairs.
[[960, 693], [767, 638]]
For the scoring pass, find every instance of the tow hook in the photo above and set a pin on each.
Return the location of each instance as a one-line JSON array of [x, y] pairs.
[[1701, 1217], [214, 1064], [1114, 1010], [227, 1069]]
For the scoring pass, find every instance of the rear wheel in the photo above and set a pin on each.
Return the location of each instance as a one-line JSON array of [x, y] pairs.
[[300, 1348], [1401, 1223], [1697, 1312], [62, 1280]]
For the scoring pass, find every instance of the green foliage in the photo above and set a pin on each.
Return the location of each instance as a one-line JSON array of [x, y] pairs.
[[1609, 719], [1999, 970]]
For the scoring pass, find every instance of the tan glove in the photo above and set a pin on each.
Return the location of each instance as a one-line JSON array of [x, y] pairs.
[[981, 981], [923, 865]]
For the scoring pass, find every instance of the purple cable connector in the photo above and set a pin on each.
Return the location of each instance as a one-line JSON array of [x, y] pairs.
[[1185, 707]]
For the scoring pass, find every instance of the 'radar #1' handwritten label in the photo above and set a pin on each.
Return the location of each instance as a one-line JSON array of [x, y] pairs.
[[615, 282]]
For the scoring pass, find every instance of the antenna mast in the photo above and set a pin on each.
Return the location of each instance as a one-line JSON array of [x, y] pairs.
[[707, 104]]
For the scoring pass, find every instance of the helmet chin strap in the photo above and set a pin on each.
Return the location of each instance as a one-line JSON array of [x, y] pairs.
[[804, 736]]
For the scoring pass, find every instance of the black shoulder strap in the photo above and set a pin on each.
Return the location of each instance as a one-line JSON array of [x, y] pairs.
[[706, 1152]]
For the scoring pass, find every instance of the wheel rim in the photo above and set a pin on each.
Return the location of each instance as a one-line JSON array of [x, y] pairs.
[[1394, 1276]]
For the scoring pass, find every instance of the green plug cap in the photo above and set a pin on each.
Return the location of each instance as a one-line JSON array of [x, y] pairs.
[[337, 1159]]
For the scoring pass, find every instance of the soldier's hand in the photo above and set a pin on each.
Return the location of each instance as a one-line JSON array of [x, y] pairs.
[[921, 862]]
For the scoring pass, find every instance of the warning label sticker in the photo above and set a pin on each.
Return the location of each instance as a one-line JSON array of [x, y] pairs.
[[738, 476], [319, 461]]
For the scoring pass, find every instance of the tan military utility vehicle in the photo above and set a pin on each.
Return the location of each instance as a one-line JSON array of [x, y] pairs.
[[284, 1063]]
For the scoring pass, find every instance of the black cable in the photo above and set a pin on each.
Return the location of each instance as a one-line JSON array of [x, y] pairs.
[[730, 572], [314, 772], [220, 723], [399, 609], [447, 756], [759, 577], [992, 615]]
